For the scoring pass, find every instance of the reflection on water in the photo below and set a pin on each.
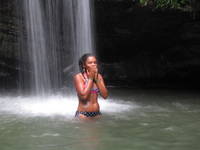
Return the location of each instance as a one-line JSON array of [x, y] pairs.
[[132, 119]]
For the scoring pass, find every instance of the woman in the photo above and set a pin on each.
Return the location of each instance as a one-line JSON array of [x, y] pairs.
[[89, 83]]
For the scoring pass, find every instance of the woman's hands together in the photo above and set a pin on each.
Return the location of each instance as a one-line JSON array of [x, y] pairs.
[[92, 73]]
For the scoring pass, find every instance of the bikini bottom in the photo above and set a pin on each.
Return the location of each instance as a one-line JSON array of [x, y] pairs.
[[87, 114]]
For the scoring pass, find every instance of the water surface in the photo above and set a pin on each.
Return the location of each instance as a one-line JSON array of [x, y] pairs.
[[132, 119]]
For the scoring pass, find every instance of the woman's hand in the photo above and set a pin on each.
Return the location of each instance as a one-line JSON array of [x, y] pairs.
[[96, 74], [91, 72]]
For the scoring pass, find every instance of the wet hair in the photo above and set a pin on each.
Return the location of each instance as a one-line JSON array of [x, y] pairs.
[[82, 61]]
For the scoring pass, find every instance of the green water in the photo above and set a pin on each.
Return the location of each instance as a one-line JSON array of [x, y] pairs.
[[156, 120]]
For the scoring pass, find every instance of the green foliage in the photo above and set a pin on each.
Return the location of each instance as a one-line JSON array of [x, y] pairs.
[[144, 2], [170, 3], [165, 3]]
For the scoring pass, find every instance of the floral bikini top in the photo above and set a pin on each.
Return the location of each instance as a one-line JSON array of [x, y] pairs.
[[92, 90]]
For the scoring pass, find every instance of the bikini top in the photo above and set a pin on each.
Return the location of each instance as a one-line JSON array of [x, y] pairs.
[[92, 90]]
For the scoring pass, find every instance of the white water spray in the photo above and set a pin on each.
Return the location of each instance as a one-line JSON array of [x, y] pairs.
[[56, 105]]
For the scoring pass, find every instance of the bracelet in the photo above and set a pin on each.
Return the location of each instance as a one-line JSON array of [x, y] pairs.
[[90, 79], [96, 80]]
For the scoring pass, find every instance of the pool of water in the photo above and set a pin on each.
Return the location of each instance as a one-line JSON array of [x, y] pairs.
[[132, 119]]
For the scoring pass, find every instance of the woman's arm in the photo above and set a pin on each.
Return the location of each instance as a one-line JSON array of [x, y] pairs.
[[101, 85], [82, 90]]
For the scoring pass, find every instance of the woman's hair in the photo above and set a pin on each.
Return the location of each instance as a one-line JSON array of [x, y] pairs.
[[82, 61]]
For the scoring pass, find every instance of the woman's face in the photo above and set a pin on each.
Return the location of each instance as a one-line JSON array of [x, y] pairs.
[[90, 63]]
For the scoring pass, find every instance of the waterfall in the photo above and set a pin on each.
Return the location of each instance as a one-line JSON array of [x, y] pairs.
[[37, 50], [83, 32], [58, 32]]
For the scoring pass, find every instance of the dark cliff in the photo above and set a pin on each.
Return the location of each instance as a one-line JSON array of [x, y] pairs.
[[150, 47]]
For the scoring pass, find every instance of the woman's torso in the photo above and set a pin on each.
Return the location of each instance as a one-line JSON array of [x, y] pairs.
[[91, 103]]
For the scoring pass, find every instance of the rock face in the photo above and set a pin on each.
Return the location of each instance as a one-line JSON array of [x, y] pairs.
[[149, 47], [8, 45]]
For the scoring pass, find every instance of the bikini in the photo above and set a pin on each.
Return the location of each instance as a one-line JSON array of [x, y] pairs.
[[85, 113], [92, 90]]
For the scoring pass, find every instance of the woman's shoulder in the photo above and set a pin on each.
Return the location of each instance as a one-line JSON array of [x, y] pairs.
[[100, 75], [78, 75]]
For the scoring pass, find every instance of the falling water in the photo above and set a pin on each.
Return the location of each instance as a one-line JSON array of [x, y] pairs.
[[37, 50], [83, 32], [58, 33]]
